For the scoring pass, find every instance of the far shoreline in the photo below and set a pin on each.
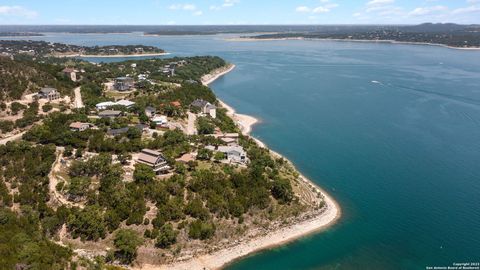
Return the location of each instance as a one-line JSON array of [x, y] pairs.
[[316, 221], [386, 41], [109, 56]]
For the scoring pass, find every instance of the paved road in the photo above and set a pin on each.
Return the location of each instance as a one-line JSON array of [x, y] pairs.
[[78, 98]]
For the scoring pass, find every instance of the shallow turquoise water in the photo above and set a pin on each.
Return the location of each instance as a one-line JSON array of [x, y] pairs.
[[391, 131]]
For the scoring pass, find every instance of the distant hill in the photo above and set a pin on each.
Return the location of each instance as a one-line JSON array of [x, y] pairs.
[[19, 77]]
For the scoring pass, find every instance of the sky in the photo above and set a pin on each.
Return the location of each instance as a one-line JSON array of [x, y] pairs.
[[214, 12]]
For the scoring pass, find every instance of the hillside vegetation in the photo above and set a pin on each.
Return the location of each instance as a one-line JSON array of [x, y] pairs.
[[21, 77]]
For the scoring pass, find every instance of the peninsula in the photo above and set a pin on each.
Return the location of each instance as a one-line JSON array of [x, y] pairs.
[[142, 167], [47, 49]]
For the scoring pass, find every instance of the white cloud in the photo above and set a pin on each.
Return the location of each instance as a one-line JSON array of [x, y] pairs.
[[303, 9], [320, 9], [190, 7], [187, 7], [17, 11], [380, 2], [225, 4], [470, 9], [421, 11]]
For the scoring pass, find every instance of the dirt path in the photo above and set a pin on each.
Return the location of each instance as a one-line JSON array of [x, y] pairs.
[[12, 138], [56, 197], [192, 118], [78, 103]]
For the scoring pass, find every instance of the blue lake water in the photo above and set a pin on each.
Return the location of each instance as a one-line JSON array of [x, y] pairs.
[[392, 132]]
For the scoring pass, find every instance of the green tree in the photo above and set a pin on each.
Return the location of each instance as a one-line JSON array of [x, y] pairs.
[[202, 230], [204, 154], [167, 236], [204, 126], [143, 174], [126, 242], [282, 190], [47, 107]]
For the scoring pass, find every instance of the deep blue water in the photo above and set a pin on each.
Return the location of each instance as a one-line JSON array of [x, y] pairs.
[[390, 131]]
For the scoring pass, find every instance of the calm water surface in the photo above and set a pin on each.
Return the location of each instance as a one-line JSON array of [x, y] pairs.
[[391, 131]]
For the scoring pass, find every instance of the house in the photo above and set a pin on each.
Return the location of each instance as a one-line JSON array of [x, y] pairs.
[[154, 160], [229, 141], [190, 81], [79, 126], [169, 72], [70, 73], [160, 121], [48, 93], [186, 158], [123, 83], [150, 111], [105, 105], [120, 131], [205, 107], [126, 103], [109, 114], [234, 154]]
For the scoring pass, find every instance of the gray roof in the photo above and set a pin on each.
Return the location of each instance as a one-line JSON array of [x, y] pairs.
[[199, 103], [151, 156], [150, 109], [123, 79], [109, 113], [47, 90], [119, 131]]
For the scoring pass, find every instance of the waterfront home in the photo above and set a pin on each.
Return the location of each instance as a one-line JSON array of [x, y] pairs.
[[123, 83], [234, 154], [71, 73], [79, 126], [154, 160], [109, 114], [205, 107], [150, 111], [48, 94]]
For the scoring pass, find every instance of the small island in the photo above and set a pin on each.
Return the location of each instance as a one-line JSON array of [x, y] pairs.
[[138, 165]]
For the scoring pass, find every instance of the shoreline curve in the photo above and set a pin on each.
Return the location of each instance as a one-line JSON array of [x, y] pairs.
[[318, 221], [385, 41]]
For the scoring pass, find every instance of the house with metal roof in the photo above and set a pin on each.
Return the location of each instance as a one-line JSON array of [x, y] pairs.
[[153, 159]]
